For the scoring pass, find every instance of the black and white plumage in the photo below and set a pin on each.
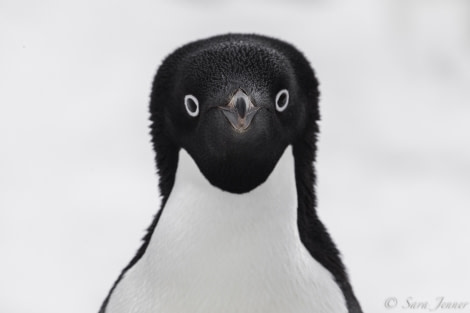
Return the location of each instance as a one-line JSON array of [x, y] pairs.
[[234, 126]]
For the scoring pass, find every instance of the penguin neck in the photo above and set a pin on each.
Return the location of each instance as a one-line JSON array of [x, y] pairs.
[[275, 200], [198, 213], [280, 180]]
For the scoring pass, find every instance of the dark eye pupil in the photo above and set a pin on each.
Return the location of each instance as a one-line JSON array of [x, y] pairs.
[[192, 106], [282, 101]]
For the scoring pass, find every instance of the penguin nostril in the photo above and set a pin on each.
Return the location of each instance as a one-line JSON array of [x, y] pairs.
[[192, 105], [240, 105]]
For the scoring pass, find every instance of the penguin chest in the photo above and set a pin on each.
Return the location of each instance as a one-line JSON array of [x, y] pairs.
[[217, 252]]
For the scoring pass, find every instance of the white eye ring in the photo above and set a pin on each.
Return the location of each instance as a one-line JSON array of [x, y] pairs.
[[192, 105], [284, 94]]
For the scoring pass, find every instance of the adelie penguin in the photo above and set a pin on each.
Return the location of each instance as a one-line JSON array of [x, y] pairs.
[[234, 126]]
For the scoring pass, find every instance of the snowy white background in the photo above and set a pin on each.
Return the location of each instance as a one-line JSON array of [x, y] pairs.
[[77, 182]]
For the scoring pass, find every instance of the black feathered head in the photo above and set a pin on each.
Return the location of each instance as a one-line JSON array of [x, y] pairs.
[[234, 102]]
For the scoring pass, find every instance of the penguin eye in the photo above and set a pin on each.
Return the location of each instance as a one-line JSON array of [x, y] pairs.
[[282, 100], [192, 105]]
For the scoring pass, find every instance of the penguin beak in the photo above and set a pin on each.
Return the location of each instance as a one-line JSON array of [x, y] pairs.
[[239, 111]]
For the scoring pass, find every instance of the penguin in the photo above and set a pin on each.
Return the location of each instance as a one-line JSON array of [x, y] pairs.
[[234, 124]]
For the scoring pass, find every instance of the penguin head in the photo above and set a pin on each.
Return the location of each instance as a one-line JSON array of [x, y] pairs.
[[234, 103]]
